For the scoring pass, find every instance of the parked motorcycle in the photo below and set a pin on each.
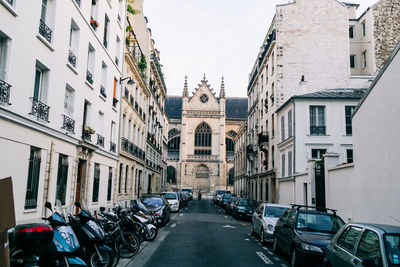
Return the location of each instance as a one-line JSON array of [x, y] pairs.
[[142, 223], [64, 239], [91, 237]]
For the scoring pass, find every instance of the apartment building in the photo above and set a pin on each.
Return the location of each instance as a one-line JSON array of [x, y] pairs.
[[60, 105], [240, 161]]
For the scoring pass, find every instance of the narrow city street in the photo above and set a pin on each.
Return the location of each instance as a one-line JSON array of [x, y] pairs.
[[202, 235]]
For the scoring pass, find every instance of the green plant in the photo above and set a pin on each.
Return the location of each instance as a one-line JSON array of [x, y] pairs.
[[128, 28], [142, 65], [127, 41]]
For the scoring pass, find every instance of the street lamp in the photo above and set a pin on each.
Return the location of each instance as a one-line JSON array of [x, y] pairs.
[[130, 81]]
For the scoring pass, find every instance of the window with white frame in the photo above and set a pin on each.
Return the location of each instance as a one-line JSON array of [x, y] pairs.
[[73, 43], [290, 124], [348, 112], [282, 128], [351, 32], [364, 59], [112, 134], [103, 80], [117, 50], [352, 61], [4, 44], [317, 153], [283, 164], [123, 125], [106, 30], [46, 24], [349, 155], [90, 64], [40, 90], [100, 129], [363, 28], [290, 163], [69, 100], [317, 120]]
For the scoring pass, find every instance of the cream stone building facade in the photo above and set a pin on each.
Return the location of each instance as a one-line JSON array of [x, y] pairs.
[[201, 132]]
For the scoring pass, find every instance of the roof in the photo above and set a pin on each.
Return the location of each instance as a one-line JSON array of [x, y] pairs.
[[378, 77], [334, 94], [235, 107], [390, 229]]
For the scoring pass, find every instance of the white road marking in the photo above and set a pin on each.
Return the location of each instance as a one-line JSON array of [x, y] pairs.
[[276, 258], [283, 265], [161, 238], [247, 239], [264, 258], [180, 215], [220, 210], [270, 253], [173, 225], [173, 217], [226, 216], [229, 226]]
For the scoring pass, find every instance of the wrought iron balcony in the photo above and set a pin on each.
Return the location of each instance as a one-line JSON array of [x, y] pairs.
[[318, 130], [40, 110], [263, 138], [103, 91], [124, 144], [87, 136], [78, 2], [72, 58], [4, 92], [11, 2], [68, 124], [113, 147], [45, 31], [100, 140], [89, 77]]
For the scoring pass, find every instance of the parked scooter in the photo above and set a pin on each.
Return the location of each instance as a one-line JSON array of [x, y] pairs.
[[140, 223], [64, 239], [91, 237], [31, 245]]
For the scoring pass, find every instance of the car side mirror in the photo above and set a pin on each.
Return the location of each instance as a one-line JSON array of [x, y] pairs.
[[48, 205]]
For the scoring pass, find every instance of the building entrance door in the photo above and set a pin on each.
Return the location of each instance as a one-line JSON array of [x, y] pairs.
[[149, 185], [320, 185], [80, 181]]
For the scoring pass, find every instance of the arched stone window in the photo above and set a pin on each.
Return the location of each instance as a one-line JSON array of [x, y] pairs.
[[202, 172], [173, 144], [202, 140], [231, 175], [171, 175], [230, 147], [173, 132]]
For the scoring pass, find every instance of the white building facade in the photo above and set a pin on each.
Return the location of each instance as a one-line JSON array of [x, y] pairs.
[[62, 118]]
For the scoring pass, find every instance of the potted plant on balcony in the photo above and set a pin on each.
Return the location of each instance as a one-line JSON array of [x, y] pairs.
[[88, 129], [94, 23]]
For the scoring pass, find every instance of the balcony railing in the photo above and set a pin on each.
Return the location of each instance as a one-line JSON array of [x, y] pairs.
[[203, 157], [11, 2], [4, 92], [124, 144], [72, 58], [89, 77], [87, 136], [100, 140], [103, 91], [263, 138], [45, 31], [318, 130], [113, 147], [40, 110], [132, 149], [68, 124]]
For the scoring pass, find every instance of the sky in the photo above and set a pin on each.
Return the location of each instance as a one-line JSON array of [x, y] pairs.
[[212, 37]]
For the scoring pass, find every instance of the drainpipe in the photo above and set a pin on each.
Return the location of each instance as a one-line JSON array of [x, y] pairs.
[[294, 151]]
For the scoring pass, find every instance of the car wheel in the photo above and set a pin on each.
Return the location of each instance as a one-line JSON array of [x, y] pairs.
[[262, 237], [293, 258], [275, 246]]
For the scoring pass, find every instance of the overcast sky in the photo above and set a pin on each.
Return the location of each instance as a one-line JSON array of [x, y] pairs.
[[215, 37]]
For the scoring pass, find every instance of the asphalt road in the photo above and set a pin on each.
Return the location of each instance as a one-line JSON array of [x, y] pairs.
[[202, 235]]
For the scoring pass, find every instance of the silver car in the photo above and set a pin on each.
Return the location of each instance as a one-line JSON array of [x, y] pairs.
[[264, 220]]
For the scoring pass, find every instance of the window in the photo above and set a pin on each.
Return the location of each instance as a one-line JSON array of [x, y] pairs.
[[69, 99], [349, 155], [317, 153], [352, 61], [351, 32], [41, 79], [317, 120], [123, 125], [171, 175], [364, 59], [103, 84], [290, 163], [126, 179], [363, 28], [273, 157], [33, 178], [4, 44], [106, 31], [86, 113], [272, 63], [129, 129], [112, 134], [44, 11], [90, 64], [282, 128], [100, 129], [272, 97], [46, 19], [96, 183], [62, 178], [115, 101], [109, 183], [348, 238], [290, 124], [120, 178], [230, 146], [93, 15], [283, 162], [202, 139], [369, 248], [117, 50], [73, 43], [348, 112], [273, 125]]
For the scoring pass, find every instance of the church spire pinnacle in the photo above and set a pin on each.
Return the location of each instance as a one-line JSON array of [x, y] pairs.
[[185, 88], [204, 79], [222, 92]]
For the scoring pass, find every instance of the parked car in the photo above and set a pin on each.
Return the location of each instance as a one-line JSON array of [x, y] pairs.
[[189, 190], [218, 195], [159, 206], [244, 208], [230, 204], [264, 220], [186, 196], [182, 200], [359, 244], [173, 200], [304, 232], [224, 200]]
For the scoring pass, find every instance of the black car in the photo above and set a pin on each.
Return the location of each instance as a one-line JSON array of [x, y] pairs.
[[244, 208], [304, 233], [159, 206], [224, 200], [229, 205], [182, 200]]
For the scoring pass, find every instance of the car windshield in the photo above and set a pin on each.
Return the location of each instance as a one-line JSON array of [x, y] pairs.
[[153, 201], [227, 196], [170, 196], [187, 190], [274, 212], [233, 199], [247, 202], [316, 222], [220, 192], [392, 246]]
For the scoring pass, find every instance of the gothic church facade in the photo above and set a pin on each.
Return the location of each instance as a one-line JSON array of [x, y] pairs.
[[200, 138]]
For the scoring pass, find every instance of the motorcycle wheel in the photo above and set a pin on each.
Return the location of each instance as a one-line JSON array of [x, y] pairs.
[[108, 259], [128, 246], [151, 234]]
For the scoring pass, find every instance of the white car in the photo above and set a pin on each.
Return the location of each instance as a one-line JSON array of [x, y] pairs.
[[264, 220], [173, 200]]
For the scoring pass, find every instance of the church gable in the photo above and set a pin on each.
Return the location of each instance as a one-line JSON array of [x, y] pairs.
[[203, 98]]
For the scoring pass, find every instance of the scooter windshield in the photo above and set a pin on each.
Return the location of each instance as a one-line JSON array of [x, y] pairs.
[[84, 206], [60, 211]]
